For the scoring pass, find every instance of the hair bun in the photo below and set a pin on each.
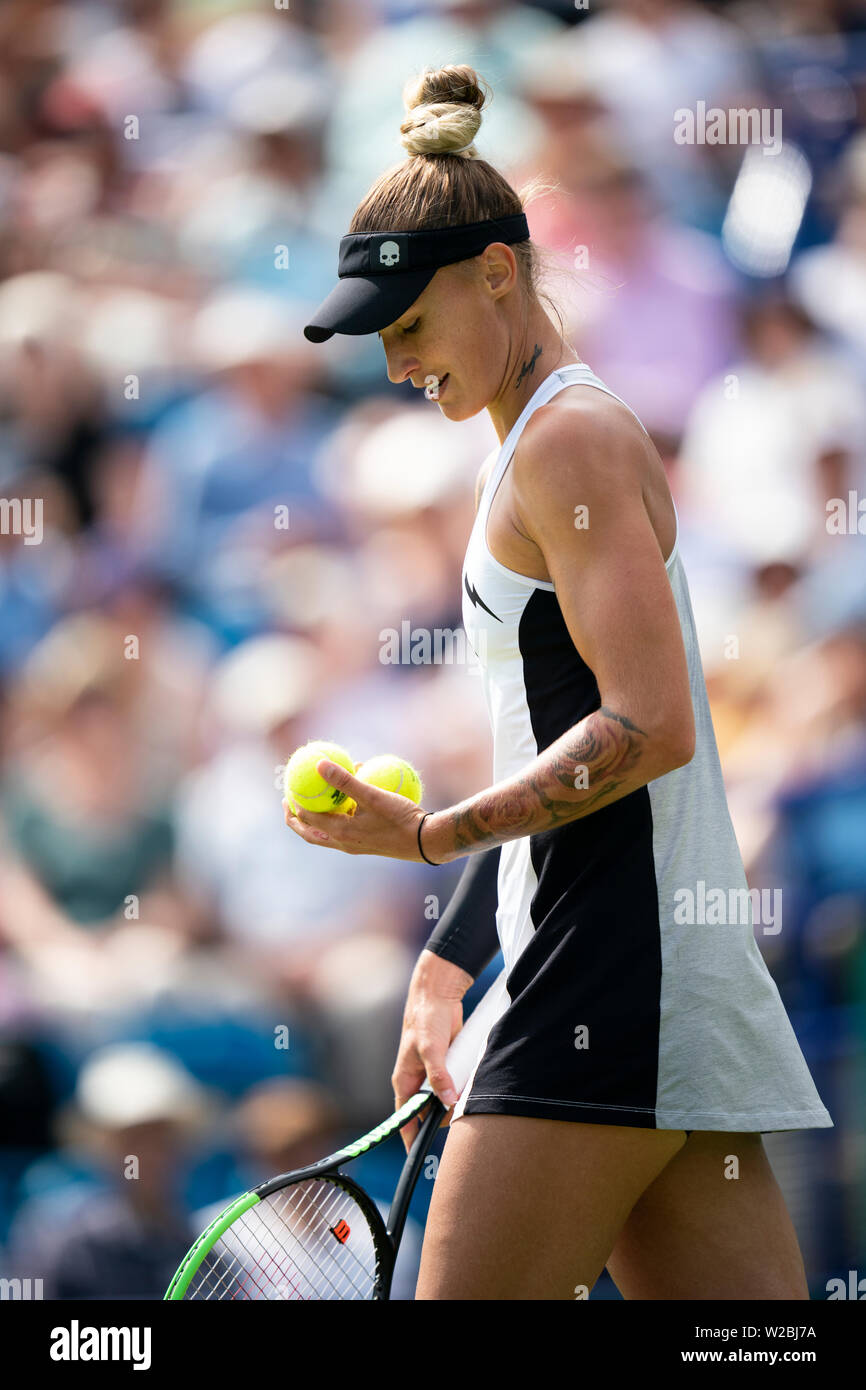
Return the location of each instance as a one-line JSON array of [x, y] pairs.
[[444, 106]]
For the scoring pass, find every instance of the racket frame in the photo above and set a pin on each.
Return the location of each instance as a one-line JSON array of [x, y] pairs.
[[461, 1058], [386, 1237]]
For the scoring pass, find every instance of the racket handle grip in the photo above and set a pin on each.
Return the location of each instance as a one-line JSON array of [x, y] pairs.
[[467, 1044]]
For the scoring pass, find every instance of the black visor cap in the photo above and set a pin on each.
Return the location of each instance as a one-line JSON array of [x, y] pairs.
[[364, 304], [383, 273]]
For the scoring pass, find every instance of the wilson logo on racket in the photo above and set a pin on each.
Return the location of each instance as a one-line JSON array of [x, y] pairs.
[[342, 1231]]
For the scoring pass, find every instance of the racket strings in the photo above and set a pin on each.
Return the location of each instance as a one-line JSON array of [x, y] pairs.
[[259, 1263], [310, 1240], [328, 1221], [324, 1221]]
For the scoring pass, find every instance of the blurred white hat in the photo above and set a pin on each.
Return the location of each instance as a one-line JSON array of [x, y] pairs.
[[148, 325], [80, 654], [237, 47], [554, 70], [411, 460], [265, 681], [41, 306], [241, 325], [276, 102], [134, 1084], [307, 584]]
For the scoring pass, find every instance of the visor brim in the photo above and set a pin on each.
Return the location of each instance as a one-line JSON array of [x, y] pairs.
[[362, 304]]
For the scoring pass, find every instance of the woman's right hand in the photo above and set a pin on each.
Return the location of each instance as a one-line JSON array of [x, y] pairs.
[[432, 1017]]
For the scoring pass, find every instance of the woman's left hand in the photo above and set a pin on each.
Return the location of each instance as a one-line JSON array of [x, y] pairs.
[[383, 822]]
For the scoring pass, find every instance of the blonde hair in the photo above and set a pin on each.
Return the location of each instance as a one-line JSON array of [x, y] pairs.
[[444, 182]]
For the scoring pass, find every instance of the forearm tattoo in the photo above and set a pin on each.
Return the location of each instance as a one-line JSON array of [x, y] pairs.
[[591, 765]]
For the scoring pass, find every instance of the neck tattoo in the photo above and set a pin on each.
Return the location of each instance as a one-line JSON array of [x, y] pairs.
[[530, 365]]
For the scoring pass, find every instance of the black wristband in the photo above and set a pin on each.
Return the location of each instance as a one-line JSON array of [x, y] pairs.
[[420, 846]]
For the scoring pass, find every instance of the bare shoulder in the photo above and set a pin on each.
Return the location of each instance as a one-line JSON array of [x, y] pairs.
[[584, 435], [581, 427]]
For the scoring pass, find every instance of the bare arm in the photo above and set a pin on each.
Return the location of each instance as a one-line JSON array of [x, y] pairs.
[[616, 600], [618, 607]]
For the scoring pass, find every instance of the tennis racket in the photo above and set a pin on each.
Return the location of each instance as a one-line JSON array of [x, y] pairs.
[[315, 1233]]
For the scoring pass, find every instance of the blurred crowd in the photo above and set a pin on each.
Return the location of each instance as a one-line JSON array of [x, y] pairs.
[[231, 521]]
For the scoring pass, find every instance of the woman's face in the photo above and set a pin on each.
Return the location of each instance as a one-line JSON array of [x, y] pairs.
[[456, 331]]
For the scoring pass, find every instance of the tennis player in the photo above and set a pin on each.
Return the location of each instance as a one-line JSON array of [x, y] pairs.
[[615, 1113]]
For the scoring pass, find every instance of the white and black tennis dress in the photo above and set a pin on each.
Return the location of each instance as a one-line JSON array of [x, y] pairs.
[[624, 1006]]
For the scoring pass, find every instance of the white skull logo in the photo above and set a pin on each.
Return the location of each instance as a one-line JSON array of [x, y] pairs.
[[389, 253]]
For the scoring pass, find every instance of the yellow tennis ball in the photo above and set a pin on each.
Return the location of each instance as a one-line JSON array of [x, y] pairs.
[[392, 774], [305, 787]]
